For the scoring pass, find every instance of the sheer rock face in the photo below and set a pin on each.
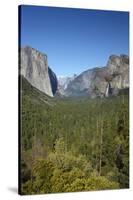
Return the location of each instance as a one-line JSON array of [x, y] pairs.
[[89, 83], [94, 82], [34, 67], [118, 67], [53, 80]]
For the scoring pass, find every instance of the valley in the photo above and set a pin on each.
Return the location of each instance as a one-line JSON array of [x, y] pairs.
[[73, 144], [74, 131]]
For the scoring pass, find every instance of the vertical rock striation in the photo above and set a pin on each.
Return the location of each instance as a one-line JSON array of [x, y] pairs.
[[53, 80], [118, 68], [34, 67], [96, 82], [102, 81]]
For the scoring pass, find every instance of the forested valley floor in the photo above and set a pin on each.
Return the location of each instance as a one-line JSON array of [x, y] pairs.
[[71, 145]]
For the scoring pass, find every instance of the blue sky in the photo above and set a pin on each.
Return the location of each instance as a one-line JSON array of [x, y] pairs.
[[75, 39]]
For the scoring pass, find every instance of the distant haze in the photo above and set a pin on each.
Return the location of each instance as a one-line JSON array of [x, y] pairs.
[[75, 39]]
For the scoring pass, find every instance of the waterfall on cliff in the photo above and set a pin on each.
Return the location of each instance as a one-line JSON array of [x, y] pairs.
[[108, 90]]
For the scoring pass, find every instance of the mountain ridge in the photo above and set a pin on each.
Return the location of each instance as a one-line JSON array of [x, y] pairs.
[[102, 81], [94, 82]]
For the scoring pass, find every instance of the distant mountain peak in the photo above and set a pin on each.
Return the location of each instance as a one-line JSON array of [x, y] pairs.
[[95, 82], [101, 81], [63, 82]]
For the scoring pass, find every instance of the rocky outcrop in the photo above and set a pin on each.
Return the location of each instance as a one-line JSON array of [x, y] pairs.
[[88, 83], [118, 68], [63, 82], [96, 82], [102, 81], [53, 80], [34, 67]]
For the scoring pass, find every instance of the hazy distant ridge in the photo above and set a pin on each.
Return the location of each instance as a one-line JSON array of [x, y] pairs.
[[96, 82]]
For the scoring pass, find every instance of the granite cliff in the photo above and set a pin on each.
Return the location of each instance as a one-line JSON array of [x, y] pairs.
[[34, 67], [53, 80], [96, 82], [102, 81]]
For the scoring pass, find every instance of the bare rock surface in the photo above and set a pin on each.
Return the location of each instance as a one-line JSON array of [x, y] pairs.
[[34, 67], [97, 81]]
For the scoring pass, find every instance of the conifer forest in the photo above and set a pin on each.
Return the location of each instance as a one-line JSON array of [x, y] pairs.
[[72, 144]]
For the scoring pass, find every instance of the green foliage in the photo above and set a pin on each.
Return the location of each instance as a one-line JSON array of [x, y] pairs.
[[100, 183], [73, 144]]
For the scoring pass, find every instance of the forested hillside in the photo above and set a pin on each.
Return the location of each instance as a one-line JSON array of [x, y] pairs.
[[73, 144]]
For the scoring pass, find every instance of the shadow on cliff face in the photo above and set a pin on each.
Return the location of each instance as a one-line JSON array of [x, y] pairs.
[[53, 80]]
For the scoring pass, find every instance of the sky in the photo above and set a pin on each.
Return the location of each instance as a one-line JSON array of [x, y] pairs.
[[74, 39]]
